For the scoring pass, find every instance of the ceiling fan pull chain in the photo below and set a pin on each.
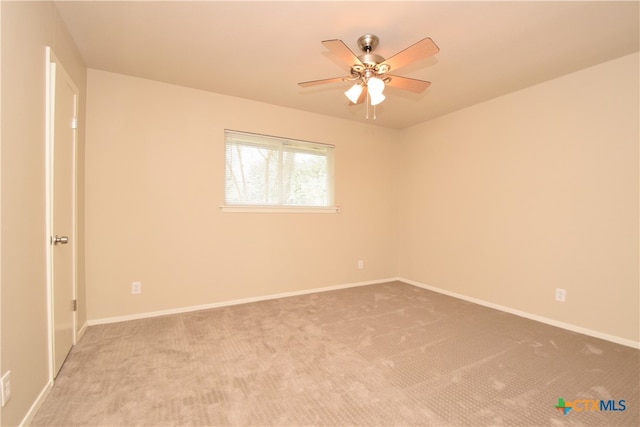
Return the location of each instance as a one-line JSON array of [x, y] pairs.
[[367, 116]]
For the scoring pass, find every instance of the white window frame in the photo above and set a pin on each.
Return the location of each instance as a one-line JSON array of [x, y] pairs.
[[260, 140]]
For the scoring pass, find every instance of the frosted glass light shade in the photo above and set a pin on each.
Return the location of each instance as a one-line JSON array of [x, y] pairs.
[[376, 98], [375, 87], [354, 93]]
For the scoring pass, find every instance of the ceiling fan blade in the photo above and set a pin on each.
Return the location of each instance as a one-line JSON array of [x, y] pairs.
[[321, 82], [342, 51], [361, 98], [406, 83], [423, 49]]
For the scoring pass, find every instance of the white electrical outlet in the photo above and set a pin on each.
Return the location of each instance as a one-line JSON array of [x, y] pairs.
[[136, 288], [5, 388], [360, 264], [561, 294]]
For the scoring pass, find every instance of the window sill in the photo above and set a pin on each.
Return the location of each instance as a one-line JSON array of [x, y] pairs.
[[280, 209]]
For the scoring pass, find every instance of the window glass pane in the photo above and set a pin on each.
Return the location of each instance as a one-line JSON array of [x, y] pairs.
[[263, 170], [308, 181]]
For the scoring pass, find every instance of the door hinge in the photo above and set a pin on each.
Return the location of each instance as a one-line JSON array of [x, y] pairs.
[[74, 123], [74, 305]]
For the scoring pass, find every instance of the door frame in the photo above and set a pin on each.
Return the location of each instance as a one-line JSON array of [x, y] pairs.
[[49, 169]]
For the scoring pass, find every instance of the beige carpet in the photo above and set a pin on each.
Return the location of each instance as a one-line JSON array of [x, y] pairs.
[[389, 354]]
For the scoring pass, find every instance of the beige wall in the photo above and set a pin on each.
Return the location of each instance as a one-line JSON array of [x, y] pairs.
[[27, 27], [155, 181], [509, 199]]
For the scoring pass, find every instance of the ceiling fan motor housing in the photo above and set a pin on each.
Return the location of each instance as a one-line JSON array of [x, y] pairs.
[[371, 59], [371, 62]]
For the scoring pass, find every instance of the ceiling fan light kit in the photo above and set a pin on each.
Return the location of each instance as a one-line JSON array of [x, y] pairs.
[[369, 71]]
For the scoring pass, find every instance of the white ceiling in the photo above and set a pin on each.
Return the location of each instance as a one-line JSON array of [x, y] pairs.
[[261, 50]]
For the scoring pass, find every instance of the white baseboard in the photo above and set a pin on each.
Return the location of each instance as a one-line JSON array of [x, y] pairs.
[[552, 322], [81, 332], [546, 320], [26, 421], [230, 303]]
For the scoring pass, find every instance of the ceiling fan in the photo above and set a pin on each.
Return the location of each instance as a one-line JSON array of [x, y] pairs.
[[370, 71]]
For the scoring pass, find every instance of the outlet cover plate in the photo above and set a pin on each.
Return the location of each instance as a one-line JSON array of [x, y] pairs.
[[136, 288]]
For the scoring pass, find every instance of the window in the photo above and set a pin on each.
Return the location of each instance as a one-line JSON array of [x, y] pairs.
[[267, 171]]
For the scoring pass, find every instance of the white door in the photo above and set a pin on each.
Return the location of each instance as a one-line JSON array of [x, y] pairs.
[[64, 101]]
